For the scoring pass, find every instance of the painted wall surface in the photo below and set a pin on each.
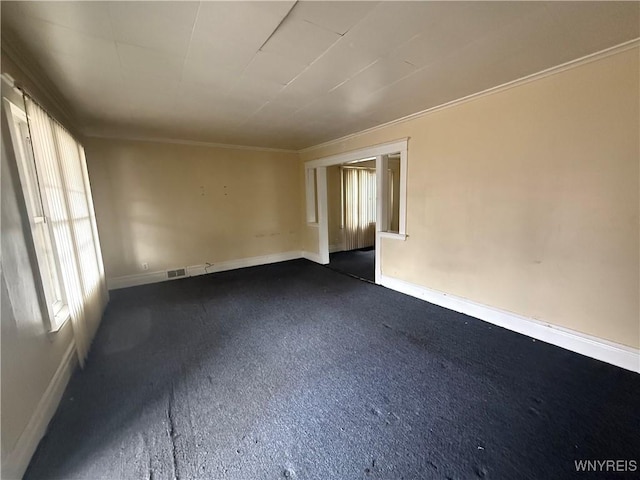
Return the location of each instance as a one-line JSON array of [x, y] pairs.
[[173, 205], [334, 208], [527, 199], [30, 355]]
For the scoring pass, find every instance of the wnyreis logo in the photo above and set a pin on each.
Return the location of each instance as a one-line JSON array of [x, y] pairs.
[[606, 465]]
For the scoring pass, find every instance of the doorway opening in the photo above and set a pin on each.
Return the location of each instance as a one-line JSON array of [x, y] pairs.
[[368, 185], [351, 211]]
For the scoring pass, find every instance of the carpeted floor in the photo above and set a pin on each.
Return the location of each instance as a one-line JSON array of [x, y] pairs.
[[295, 371], [357, 263]]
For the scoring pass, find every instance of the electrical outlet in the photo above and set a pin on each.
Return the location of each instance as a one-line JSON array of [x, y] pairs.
[[145, 266]]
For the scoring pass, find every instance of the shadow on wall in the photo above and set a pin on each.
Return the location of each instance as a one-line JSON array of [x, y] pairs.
[[172, 206]]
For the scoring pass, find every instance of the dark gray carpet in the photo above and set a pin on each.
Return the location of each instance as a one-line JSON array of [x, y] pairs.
[[357, 263], [295, 371]]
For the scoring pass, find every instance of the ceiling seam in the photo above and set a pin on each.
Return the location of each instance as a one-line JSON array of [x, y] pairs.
[[316, 60], [325, 52], [575, 63], [115, 45], [278, 26], [186, 55], [634, 43]]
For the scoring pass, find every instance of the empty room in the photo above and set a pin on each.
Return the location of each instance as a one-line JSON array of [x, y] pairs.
[[320, 240]]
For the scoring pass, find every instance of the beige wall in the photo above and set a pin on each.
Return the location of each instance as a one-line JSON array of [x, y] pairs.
[[334, 208], [172, 205], [30, 355], [527, 199]]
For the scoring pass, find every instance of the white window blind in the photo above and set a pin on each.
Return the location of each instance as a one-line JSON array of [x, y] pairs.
[[359, 207], [68, 207]]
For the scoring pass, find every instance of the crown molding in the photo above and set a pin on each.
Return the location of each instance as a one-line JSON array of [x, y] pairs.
[[196, 143], [42, 82], [36, 75], [592, 57]]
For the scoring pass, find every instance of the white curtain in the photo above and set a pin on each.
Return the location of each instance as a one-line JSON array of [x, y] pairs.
[[64, 184], [360, 207]]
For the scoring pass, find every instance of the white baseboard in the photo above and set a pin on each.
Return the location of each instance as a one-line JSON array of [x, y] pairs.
[[594, 347], [313, 256], [137, 279], [195, 270], [17, 461], [242, 263]]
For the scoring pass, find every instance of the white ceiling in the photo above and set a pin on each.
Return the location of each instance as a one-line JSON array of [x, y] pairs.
[[287, 74]]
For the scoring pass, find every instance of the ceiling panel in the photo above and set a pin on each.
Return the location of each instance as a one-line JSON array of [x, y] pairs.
[[208, 75], [147, 61], [90, 18], [336, 66], [153, 93], [68, 42], [273, 67], [287, 74], [250, 87], [337, 17], [300, 40], [163, 26], [275, 115], [216, 55], [593, 26], [383, 72], [72, 70], [229, 24], [389, 25]]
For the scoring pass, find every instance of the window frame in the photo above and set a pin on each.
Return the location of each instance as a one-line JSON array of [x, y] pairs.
[[377, 152], [55, 308]]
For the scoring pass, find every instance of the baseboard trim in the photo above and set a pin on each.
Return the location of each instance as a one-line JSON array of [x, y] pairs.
[[202, 269], [313, 256], [138, 279], [18, 460], [590, 346], [242, 263]]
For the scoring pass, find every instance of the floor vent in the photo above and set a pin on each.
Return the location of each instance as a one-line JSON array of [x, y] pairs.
[[181, 272]]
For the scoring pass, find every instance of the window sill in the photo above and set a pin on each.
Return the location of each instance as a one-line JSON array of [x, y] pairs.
[[393, 236], [60, 319]]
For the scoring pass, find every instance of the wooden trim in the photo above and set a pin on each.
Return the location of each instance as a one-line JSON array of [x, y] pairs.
[[614, 353], [18, 459], [490, 91], [202, 269]]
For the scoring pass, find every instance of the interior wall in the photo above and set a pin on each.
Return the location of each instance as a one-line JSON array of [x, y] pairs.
[[30, 355], [527, 199], [334, 208], [178, 205]]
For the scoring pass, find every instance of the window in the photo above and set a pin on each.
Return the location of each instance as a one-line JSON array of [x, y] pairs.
[[392, 176], [40, 226], [54, 180]]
